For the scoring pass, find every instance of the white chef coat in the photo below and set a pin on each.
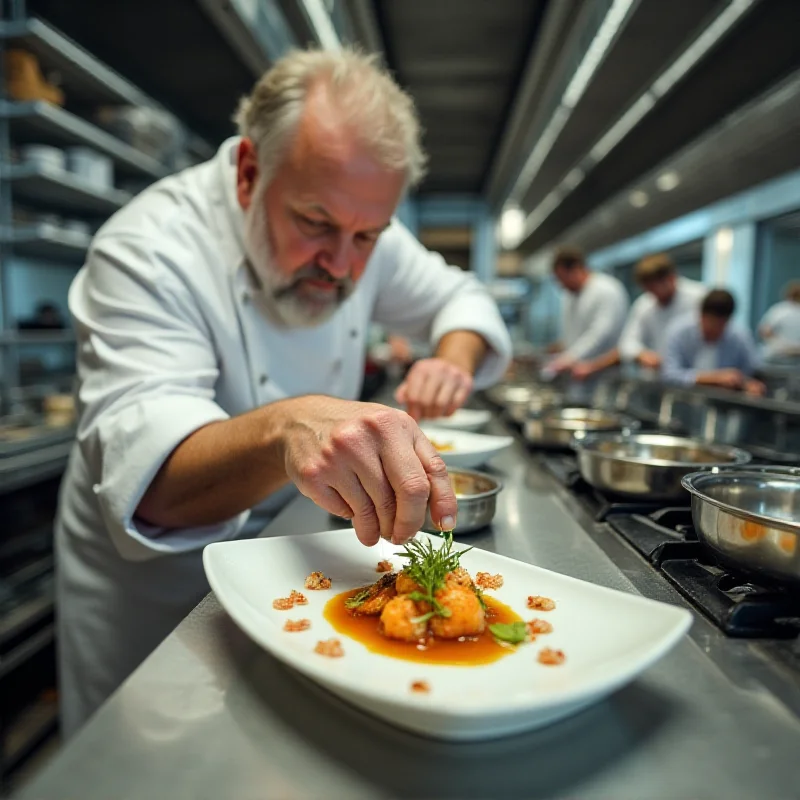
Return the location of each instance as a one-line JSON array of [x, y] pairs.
[[648, 321], [784, 320], [171, 338], [592, 319]]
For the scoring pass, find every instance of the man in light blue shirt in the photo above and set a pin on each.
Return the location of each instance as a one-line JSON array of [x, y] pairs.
[[710, 350]]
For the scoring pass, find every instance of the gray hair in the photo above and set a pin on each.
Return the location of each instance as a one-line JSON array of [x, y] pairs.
[[380, 112]]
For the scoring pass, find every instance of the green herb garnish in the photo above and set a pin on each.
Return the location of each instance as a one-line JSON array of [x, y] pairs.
[[427, 567], [513, 633], [357, 599]]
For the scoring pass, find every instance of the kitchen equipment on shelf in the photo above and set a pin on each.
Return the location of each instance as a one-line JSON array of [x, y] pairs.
[[24, 79], [750, 518], [648, 465], [476, 495], [93, 167], [559, 426], [151, 130], [44, 156]]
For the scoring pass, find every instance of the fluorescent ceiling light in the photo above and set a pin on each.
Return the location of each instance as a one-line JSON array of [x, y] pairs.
[[572, 179], [609, 27], [622, 127], [512, 227], [322, 24], [700, 46], [543, 211], [668, 180]]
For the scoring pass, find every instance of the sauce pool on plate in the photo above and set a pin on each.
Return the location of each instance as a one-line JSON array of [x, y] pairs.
[[465, 652]]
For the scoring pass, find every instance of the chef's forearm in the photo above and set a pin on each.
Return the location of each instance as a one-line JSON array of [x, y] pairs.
[[220, 470], [465, 349]]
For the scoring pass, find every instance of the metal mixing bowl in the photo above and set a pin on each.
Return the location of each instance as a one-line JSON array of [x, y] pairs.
[[750, 518], [648, 465], [558, 426], [476, 495]]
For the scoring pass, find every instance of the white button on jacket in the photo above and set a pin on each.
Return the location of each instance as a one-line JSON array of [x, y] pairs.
[[170, 338]]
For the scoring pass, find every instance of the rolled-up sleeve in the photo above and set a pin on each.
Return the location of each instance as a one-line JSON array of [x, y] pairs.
[[631, 341], [421, 296], [147, 369]]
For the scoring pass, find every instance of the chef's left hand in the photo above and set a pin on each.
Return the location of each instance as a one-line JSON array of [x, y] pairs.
[[434, 388]]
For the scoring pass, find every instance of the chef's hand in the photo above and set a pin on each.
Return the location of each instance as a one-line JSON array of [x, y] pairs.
[[434, 388], [755, 388], [649, 359], [369, 463], [583, 370], [727, 378]]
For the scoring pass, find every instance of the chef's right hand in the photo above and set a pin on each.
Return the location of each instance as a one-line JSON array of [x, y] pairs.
[[649, 359], [729, 378], [369, 463]]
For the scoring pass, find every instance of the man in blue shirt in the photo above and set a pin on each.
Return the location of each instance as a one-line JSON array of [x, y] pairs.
[[711, 351]]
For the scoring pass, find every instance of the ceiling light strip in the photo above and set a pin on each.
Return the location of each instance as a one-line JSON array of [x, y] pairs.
[[322, 24]]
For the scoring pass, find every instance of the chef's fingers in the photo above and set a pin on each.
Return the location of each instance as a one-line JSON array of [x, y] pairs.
[[327, 498], [410, 484], [442, 497], [428, 392], [415, 381], [458, 398], [401, 393], [365, 518], [370, 472]]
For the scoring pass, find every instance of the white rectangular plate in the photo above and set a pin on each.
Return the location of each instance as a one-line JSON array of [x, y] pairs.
[[465, 419], [608, 637], [469, 449]]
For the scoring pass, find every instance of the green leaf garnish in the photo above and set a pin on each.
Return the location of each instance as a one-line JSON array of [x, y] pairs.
[[511, 633], [427, 567], [357, 599]]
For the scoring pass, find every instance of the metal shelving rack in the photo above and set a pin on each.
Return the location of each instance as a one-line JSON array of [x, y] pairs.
[[88, 84]]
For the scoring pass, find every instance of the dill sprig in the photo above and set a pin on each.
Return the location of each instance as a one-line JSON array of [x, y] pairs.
[[427, 567]]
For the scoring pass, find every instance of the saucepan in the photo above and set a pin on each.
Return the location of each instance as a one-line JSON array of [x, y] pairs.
[[648, 465], [749, 517], [560, 426], [521, 399]]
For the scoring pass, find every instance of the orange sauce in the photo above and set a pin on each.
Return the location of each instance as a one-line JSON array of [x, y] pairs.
[[464, 652]]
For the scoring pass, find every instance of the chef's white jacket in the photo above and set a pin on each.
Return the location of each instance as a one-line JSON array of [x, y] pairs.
[[171, 337], [593, 318]]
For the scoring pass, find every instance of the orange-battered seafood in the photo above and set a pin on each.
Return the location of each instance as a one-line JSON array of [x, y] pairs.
[[296, 625], [541, 603], [550, 657], [384, 566], [488, 581], [317, 581], [372, 599], [332, 648]]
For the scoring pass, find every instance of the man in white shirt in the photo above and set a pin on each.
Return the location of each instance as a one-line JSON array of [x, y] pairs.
[[593, 310], [666, 297], [780, 326], [222, 319]]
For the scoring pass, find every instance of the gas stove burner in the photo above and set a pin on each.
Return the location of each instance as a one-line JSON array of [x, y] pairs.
[[736, 585]]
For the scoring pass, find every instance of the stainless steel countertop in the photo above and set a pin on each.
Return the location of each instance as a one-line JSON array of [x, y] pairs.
[[210, 715]]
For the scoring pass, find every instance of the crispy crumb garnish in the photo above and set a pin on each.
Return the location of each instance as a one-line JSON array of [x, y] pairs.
[[421, 687], [384, 566], [298, 598], [536, 626], [550, 657], [488, 581], [316, 581], [285, 603], [296, 625], [332, 648], [541, 603]]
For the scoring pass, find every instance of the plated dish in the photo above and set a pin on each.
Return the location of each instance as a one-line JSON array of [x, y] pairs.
[[464, 419], [553, 654], [463, 449]]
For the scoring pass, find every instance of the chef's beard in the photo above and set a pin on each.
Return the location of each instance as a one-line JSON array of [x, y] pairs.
[[288, 299]]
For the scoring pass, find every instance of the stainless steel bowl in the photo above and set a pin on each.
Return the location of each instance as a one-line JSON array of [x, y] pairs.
[[476, 495], [648, 465], [750, 518], [521, 399], [559, 426]]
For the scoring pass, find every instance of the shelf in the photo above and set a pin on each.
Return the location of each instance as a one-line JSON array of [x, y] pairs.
[[26, 615], [46, 242], [25, 651], [37, 337], [84, 77], [42, 123], [61, 190]]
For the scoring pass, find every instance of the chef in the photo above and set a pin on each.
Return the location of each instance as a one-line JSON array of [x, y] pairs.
[[222, 320], [666, 296], [593, 310], [780, 326], [707, 349]]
